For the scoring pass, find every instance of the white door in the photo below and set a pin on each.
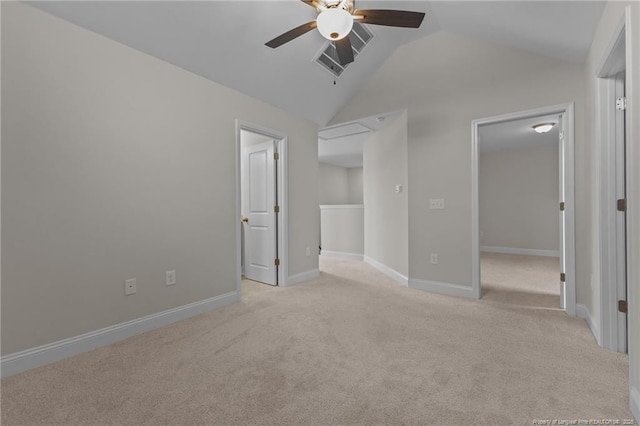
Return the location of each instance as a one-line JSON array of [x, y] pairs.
[[562, 246], [259, 215], [621, 216]]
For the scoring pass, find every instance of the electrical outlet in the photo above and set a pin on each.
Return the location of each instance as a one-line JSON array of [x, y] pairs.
[[434, 258], [130, 287], [170, 277], [308, 251], [436, 203]]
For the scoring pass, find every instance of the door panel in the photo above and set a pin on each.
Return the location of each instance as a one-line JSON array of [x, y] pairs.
[[258, 201], [562, 217]]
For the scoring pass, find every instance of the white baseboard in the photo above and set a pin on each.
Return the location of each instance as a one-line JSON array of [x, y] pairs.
[[529, 252], [342, 255], [391, 273], [52, 352], [634, 403], [302, 277], [443, 288], [583, 312]]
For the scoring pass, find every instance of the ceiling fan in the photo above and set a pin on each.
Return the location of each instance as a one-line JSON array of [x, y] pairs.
[[335, 21]]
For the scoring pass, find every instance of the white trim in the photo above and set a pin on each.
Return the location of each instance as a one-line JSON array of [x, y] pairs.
[[611, 63], [302, 277], [35, 357], [633, 205], [583, 312], [634, 402], [341, 206], [342, 255], [283, 201], [391, 273], [570, 262], [443, 288], [527, 252]]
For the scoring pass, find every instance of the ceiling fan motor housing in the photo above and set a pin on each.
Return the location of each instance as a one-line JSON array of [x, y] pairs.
[[334, 24]]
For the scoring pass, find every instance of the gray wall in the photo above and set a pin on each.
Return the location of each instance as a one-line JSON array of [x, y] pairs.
[[333, 184], [469, 80], [518, 197], [342, 228], [118, 165], [385, 213], [339, 185], [356, 194]]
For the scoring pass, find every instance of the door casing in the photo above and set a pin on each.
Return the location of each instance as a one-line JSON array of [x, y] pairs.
[[282, 189], [567, 110], [609, 139]]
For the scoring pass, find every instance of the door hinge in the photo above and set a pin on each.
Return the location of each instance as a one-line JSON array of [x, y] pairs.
[[277, 262], [562, 135], [622, 306], [276, 209], [621, 104], [563, 277], [562, 206], [276, 156], [622, 205]]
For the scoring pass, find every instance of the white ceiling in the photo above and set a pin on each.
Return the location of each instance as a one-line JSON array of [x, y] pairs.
[[559, 29], [517, 134], [343, 144], [224, 40]]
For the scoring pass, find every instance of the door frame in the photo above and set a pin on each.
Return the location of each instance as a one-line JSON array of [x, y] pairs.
[[615, 59], [567, 110], [282, 198]]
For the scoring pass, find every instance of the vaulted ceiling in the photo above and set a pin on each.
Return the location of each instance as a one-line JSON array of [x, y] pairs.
[[224, 40]]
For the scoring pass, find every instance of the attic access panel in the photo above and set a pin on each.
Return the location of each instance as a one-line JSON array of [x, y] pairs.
[[360, 36]]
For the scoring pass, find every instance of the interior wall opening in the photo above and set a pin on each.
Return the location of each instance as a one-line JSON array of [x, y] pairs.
[[261, 205], [519, 203], [519, 192]]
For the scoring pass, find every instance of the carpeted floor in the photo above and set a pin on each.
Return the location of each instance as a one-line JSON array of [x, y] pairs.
[[351, 347], [250, 287], [521, 280]]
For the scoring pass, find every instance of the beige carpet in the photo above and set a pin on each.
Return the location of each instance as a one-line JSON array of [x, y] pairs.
[[521, 280], [351, 347], [250, 287]]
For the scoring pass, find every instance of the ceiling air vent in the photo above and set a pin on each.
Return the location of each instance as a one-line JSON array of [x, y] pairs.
[[328, 57]]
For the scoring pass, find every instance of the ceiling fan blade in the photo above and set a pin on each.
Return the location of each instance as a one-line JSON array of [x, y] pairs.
[[290, 35], [345, 52], [390, 18], [312, 3]]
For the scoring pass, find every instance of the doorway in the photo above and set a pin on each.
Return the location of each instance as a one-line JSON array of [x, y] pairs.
[[565, 278], [612, 150], [519, 191], [261, 208]]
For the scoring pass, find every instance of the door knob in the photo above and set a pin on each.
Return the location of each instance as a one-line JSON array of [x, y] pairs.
[[245, 219]]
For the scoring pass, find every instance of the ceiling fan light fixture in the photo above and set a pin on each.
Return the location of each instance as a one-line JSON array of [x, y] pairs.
[[334, 24], [543, 127]]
